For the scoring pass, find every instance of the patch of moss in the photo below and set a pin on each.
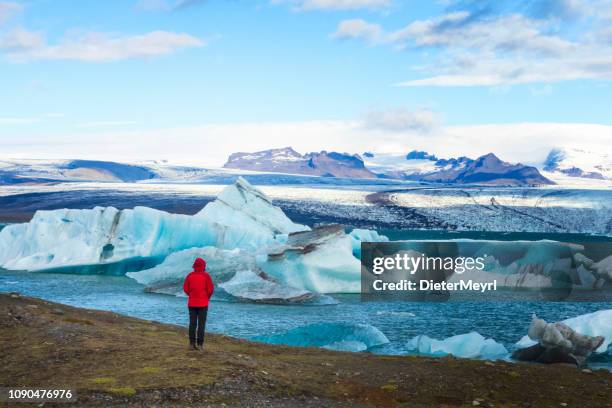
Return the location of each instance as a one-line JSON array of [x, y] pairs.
[[123, 391], [389, 387], [78, 321], [149, 370], [103, 380]]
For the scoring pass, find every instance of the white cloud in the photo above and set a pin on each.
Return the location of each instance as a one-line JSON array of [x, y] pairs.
[[18, 120], [165, 5], [307, 5], [471, 50], [506, 33], [8, 9], [19, 40], [105, 123], [528, 143], [402, 120], [358, 29], [21, 45]]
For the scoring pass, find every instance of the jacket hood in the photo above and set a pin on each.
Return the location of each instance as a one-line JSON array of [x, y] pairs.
[[199, 265]]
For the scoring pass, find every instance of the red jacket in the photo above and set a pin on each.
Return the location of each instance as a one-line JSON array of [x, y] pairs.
[[198, 285]]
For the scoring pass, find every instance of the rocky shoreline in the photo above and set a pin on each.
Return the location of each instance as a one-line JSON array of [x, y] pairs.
[[114, 360]]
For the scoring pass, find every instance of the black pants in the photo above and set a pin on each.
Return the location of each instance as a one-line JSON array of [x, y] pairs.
[[197, 318]]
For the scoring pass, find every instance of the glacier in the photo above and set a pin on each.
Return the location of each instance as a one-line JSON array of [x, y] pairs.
[[332, 336], [240, 217], [591, 324], [468, 345]]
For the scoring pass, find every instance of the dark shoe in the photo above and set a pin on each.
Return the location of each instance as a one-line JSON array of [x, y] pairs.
[[192, 346]]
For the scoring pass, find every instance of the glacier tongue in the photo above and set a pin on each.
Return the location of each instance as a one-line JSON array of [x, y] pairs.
[[241, 217]]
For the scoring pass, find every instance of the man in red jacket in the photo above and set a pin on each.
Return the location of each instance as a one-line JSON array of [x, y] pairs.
[[199, 287]]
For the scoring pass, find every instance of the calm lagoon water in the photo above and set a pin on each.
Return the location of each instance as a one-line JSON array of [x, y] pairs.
[[504, 321]]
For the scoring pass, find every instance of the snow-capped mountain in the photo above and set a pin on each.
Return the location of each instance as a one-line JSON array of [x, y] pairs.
[[487, 169], [17, 171], [287, 160], [579, 163]]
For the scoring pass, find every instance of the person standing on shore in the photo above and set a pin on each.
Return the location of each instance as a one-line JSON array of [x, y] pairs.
[[199, 288]]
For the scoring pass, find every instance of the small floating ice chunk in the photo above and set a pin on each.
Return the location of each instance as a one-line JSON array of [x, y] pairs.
[[468, 345], [364, 235], [334, 336]]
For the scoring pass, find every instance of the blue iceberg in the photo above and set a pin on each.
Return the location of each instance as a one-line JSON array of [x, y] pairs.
[[468, 345], [333, 336]]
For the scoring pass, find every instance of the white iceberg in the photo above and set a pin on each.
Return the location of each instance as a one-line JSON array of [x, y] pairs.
[[258, 287], [222, 264], [101, 235], [604, 268], [241, 217], [591, 324], [244, 217], [333, 336], [364, 235], [468, 345], [320, 260]]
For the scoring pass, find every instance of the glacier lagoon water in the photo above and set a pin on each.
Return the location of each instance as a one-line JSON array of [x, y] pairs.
[[505, 322]]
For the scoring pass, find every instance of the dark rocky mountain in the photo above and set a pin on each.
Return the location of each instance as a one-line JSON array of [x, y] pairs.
[[487, 169], [287, 160]]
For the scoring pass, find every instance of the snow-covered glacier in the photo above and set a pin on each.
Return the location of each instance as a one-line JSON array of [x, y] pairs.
[[241, 217]]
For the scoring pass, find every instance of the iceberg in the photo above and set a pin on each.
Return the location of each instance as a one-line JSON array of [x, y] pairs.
[[468, 345], [333, 336], [248, 285], [60, 238], [557, 343], [591, 324], [320, 260], [364, 235], [244, 217], [222, 264], [604, 268], [241, 217]]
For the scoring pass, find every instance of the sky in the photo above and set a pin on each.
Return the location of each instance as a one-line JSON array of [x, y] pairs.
[[195, 80]]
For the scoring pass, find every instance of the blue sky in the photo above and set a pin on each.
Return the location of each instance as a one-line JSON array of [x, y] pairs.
[[80, 68]]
